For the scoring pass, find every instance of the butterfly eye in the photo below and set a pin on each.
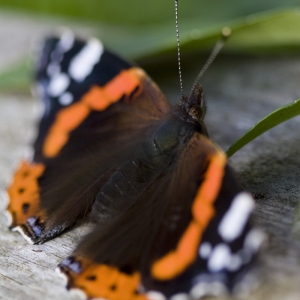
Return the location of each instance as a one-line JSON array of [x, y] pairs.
[[196, 107], [197, 112]]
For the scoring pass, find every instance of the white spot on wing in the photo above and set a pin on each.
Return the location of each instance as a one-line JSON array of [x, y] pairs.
[[219, 258], [53, 69], [82, 64], [66, 41], [58, 84], [154, 295], [66, 98], [181, 296], [233, 222], [205, 250]]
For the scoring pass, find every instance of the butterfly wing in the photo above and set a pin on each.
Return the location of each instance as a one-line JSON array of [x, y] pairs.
[[94, 103], [188, 233]]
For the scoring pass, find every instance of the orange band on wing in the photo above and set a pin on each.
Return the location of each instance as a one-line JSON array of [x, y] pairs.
[[175, 262], [103, 281], [98, 98], [24, 193]]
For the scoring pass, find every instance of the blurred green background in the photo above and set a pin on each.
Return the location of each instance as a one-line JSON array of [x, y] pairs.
[[141, 12], [260, 26]]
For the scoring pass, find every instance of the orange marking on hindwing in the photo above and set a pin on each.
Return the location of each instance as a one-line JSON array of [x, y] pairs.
[[98, 99], [175, 262], [23, 192], [103, 281]]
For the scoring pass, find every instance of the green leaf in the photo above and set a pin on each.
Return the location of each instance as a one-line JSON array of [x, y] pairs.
[[268, 33], [272, 33], [275, 118]]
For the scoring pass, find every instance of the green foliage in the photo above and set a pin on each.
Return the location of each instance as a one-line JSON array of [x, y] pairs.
[[263, 33], [275, 118], [135, 12]]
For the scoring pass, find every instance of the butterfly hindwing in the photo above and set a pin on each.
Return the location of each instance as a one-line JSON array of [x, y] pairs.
[[171, 240], [78, 144]]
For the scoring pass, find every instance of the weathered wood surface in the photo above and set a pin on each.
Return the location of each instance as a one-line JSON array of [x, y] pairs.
[[239, 91]]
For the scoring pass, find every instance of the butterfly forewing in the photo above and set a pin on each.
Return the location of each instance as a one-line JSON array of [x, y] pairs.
[[81, 143]]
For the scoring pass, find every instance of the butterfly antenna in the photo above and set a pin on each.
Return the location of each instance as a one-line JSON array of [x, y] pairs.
[[178, 47], [226, 31]]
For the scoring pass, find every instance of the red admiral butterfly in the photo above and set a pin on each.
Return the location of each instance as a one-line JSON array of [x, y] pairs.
[[172, 222]]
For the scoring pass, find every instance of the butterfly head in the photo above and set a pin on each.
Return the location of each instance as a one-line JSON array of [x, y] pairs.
[[194, 104], [192, 109]]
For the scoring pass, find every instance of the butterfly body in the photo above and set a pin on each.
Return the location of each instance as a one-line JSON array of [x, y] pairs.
[[170, 216]]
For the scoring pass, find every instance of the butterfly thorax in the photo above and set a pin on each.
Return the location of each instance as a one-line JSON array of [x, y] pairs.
[[170, 134]]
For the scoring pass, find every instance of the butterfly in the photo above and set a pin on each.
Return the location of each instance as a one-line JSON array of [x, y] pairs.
[[171, 221]]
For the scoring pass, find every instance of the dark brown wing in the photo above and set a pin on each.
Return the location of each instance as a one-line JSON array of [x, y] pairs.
[[80, 143], [187, 233]]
